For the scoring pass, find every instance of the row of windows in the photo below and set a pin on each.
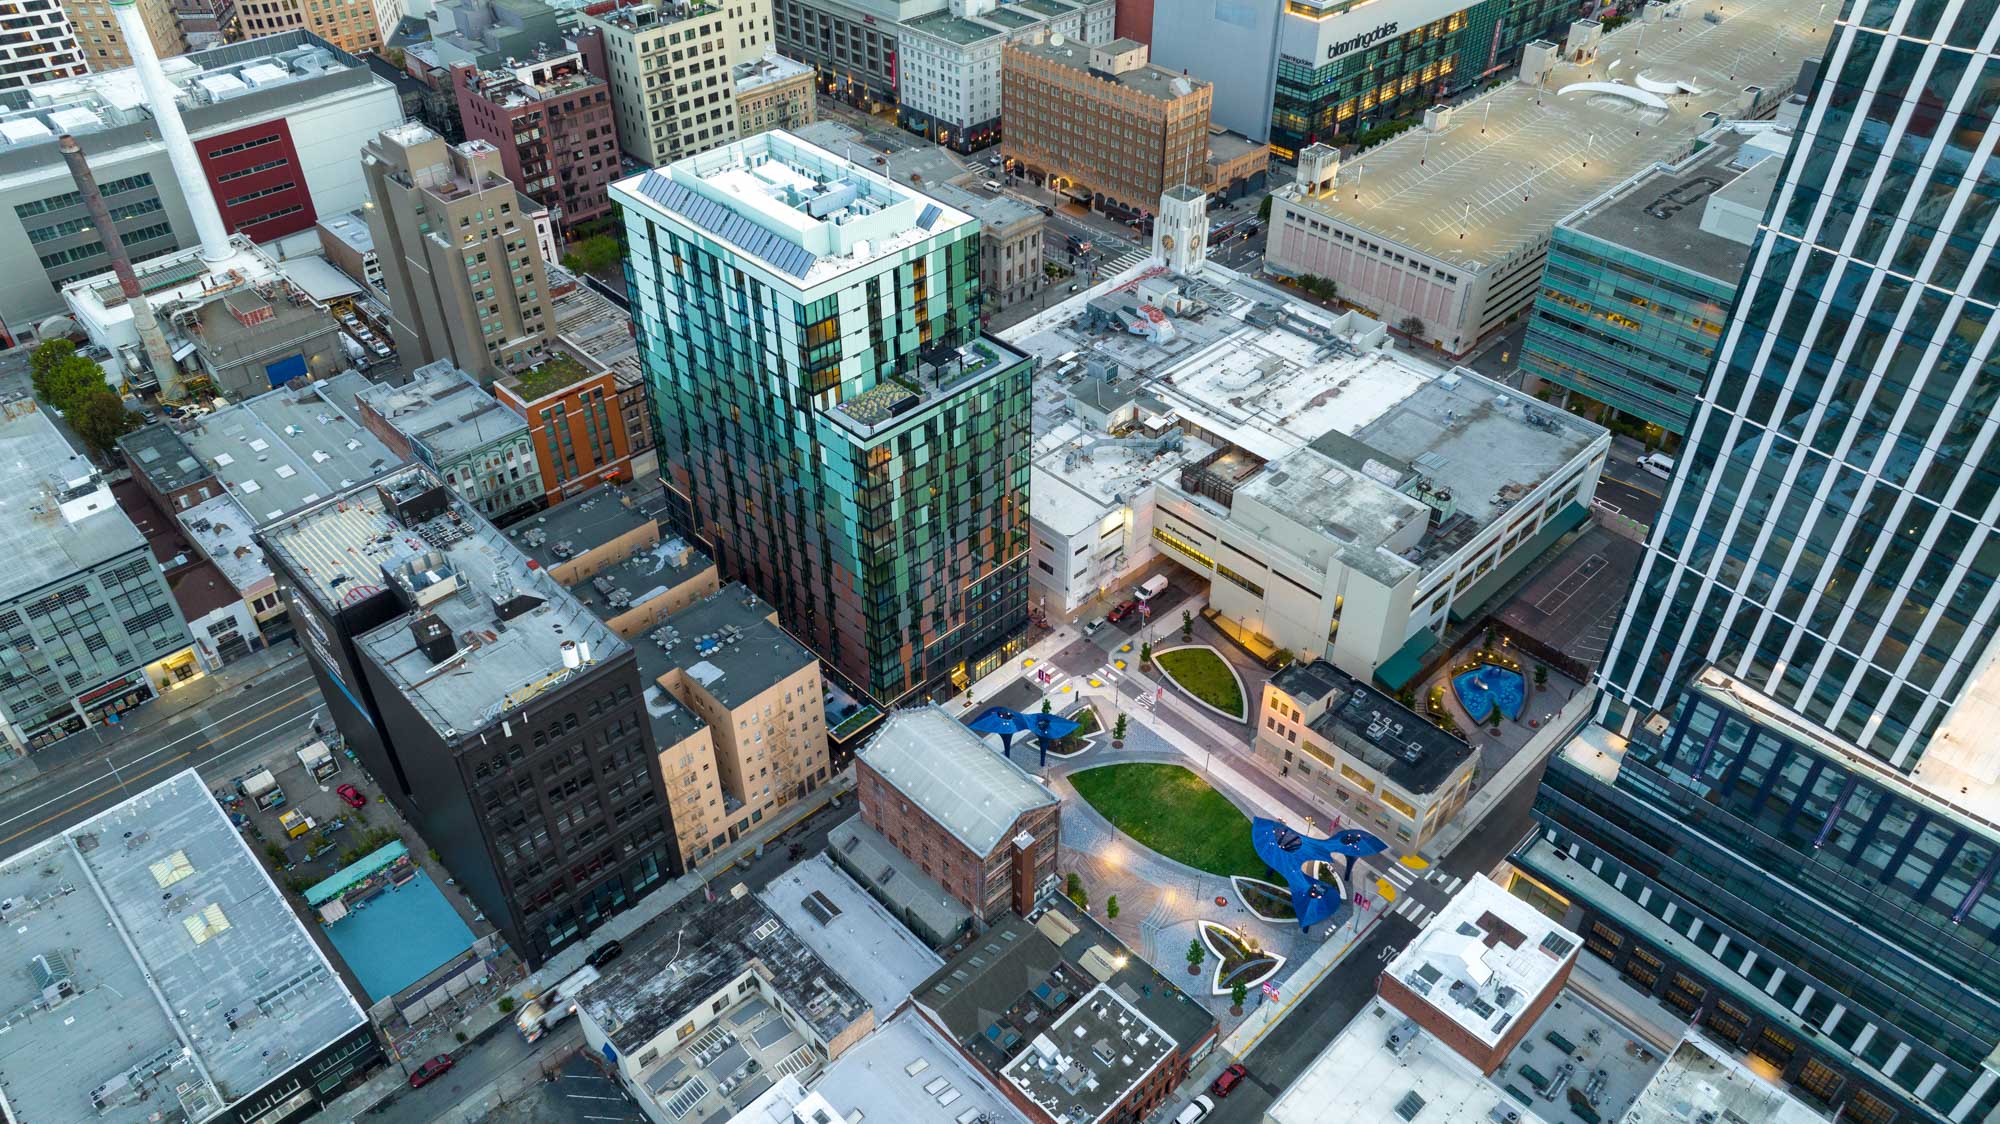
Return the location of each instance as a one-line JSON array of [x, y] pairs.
[[82, 253], [75, 198]]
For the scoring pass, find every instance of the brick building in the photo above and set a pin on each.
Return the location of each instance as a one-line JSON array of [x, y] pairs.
[[1481, 973], [1102, 121], [550, 118], [575, 420], [970, 817], [1065, 1020]]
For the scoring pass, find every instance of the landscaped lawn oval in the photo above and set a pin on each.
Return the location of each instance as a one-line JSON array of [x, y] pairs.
[[1170, 810], [1205, 675]]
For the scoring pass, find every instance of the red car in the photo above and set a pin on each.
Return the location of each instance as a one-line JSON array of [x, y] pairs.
[[432, 1070], [352, 795], [1123, 610], [1230, 1078]]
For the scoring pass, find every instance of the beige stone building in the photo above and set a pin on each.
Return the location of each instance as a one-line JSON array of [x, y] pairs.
[[1102, 121], [354, 26], [672, 72], [735, 703], [774, 92], [103, 45], [459, 257], [759, 699]]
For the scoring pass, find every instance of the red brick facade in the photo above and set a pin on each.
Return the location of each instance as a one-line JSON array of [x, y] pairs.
[[989, 885], [1450, 1032]]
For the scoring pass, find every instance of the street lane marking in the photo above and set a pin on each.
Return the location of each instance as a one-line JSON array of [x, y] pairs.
[[122, 778], [164, 746]]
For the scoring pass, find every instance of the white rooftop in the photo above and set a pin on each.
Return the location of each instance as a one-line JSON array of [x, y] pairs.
[[1485, 958], [1367, 1078], [191, 982], [805, 213], [57, 517], [1242, 363], [954, 775], [172, 281], [901, 1073], [291, 447], [1701, 1082], [846, 926]]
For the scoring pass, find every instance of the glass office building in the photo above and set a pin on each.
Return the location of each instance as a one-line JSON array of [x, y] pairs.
[[1786, 825], [833, 429], [1356, 84], [1640, 279]]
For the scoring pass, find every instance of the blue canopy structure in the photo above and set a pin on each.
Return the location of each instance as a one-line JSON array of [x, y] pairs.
[[1008, 722], [1289, 852]]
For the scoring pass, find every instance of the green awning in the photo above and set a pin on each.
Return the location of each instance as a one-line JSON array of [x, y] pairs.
[[1408, 660], [1468, 603], [348, 876]]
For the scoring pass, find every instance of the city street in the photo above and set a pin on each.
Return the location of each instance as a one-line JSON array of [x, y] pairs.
[[82, 775], [1281, 1055]]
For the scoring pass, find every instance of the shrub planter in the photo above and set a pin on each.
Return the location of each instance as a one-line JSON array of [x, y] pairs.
[[1235, 961]]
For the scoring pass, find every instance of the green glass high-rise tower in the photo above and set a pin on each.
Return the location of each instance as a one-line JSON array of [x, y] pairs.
[[832, 426]]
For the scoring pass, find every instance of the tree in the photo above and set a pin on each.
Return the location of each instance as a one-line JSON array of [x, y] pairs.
[[47, 356], [1195, 955], [1187, 626], [1238, 992], [506, 1004], [1145, 653], [68, 381], [1264, 209], [592, 254], [1118, 730], [1111, 908], [1541, 676], [1046, 707], [1411, 327], [101, 419]]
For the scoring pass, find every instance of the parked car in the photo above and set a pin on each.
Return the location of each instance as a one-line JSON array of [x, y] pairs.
[[604, 954], [993, 185], [1196, 1109], [1230, 1078], [1048, 210], [380, 348], [1120, 611], [1093, 627], [352, 795], [430, 1071]]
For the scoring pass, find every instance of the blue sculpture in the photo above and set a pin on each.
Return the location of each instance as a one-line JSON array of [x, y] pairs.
[[1008, 722], [1288, 852]]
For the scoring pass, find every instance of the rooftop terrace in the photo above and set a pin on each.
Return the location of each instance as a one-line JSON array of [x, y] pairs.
[[504, 634], [1512, 163], [159, 970]]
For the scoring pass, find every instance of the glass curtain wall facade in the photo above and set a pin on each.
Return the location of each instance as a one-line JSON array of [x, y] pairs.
[[1830, 537], [1752, 834], [1362, 89], [1625, 328], [851, 449]]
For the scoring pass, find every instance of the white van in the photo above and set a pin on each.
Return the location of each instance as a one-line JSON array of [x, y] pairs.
[[1151, 588], [1201, 1106], [1659, 464]]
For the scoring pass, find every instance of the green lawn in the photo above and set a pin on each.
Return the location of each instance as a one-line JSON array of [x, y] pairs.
[[1205, 676], [1174, 812]]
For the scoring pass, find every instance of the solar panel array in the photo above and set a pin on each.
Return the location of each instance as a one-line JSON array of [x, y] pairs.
[[727, 224], [930, 215]]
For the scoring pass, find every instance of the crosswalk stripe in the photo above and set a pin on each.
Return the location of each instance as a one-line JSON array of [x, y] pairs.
[[1398, 874], [1452, 886]]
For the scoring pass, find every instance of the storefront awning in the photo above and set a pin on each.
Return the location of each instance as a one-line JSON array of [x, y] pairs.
[[1402, 667]]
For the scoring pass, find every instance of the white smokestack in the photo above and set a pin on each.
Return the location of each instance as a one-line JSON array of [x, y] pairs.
[[167, 113]]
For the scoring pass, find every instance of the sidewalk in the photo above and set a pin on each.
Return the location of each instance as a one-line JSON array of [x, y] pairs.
[[1567, 721], [86, 745]]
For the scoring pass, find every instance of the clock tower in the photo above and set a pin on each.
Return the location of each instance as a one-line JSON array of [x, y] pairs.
[[1180, 233]]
